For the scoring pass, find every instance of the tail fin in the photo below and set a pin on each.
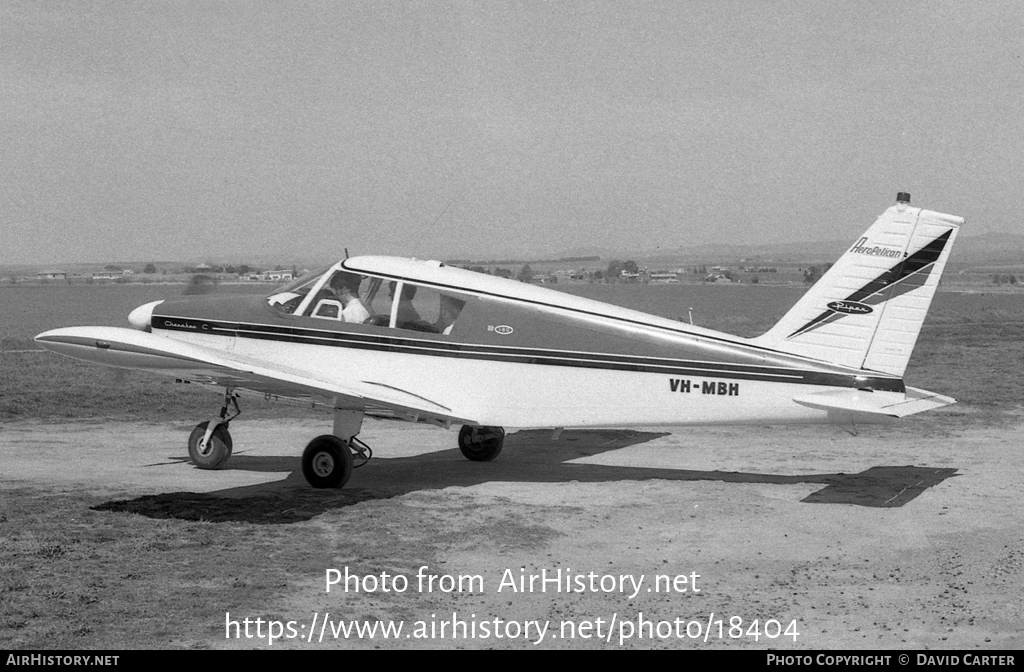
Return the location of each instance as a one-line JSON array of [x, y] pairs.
[[867, 310]]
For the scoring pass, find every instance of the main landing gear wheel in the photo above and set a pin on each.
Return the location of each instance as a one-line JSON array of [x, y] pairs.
[[481, 444], [216, 451], [327, 462]]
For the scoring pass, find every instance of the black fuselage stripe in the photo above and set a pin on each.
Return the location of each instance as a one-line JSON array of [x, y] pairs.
[[627, 363], [348, 339]]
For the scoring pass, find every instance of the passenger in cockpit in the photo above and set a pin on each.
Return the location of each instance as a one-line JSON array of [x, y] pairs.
[[449, 311]]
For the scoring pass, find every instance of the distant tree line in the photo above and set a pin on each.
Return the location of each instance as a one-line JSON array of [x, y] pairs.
[[500, 272], [812, 274], [616, 268], [473, 265]]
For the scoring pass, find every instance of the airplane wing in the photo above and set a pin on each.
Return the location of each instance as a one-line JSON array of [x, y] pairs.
[[129, 348]]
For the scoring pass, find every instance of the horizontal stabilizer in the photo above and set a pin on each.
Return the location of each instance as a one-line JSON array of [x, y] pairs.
[[890, 404], [923, 400]]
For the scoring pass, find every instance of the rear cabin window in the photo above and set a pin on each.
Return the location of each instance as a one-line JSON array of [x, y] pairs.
[[426, 309]]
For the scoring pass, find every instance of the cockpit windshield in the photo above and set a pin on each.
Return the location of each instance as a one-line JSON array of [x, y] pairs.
[[288, 297]]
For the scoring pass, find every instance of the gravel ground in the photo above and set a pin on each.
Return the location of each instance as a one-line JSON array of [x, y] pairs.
[[899, 536]]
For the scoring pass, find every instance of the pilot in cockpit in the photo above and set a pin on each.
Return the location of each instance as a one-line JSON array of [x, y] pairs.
[[346, 287]]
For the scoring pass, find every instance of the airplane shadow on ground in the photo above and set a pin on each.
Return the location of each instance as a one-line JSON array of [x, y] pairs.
[[528, 456]]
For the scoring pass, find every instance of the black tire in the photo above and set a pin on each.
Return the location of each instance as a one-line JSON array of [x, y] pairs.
[[481, 444], [218, 450], [327, 462]]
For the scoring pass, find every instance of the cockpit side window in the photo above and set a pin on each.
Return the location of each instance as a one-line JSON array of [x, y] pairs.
[[425, 309], [377, 302]]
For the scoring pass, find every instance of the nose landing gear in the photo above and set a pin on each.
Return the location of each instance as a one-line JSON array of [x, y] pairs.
[[209, 445]]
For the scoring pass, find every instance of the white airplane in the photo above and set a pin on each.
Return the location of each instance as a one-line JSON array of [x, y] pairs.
[[431, 343]]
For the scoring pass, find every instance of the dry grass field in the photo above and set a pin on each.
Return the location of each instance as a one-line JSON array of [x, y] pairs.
[[886, 537]]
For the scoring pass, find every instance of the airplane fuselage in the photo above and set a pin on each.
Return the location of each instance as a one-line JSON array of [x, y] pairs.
[[525, 356]]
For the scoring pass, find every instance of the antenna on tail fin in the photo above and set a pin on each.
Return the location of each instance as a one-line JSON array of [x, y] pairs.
[[866, 311]]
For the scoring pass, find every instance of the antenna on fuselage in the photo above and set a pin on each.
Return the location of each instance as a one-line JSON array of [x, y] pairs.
[[346, 253]]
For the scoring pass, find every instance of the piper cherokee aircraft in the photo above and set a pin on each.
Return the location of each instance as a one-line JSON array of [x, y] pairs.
[[432, 343]]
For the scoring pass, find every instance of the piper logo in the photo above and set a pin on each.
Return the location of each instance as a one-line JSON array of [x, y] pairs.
[[850, 307], [502, 329]]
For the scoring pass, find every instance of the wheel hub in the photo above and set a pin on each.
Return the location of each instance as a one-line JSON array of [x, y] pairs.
[[323, 465]]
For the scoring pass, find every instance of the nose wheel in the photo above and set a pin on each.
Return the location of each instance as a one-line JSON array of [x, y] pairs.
[[209, 445], [212, 452]]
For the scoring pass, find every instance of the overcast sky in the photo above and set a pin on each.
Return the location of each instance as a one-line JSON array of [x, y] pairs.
[[211, 131]]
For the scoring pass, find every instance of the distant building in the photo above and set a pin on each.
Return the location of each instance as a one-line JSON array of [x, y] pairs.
[[664, 277], [270, 276], [52, 275]]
